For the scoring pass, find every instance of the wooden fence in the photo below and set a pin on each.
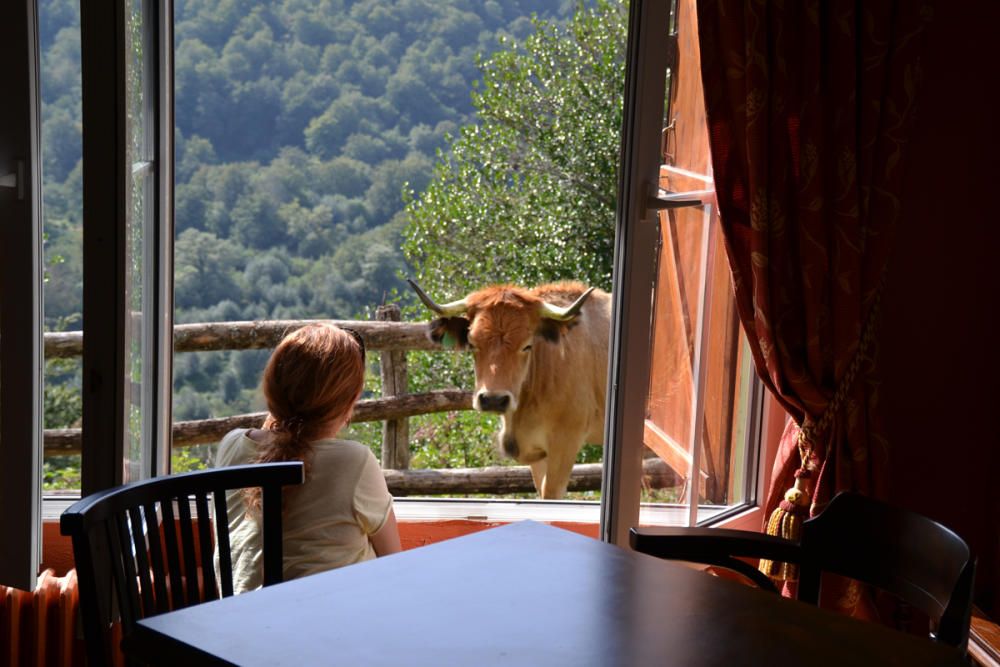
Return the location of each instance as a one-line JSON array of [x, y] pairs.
[[392, 339]]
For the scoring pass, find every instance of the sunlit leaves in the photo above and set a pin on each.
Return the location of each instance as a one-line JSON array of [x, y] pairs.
[[527, 194]]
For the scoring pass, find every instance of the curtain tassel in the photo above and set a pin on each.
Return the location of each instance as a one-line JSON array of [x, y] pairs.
[[786, 521]]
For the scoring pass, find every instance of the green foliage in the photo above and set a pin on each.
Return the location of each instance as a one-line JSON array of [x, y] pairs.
[[62, 398], [189, 459], [454, 440], [528, 193], [61, 473], [297, 126], [62, 401]]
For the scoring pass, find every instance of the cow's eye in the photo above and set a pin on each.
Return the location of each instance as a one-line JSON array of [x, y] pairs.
[[527, 348]]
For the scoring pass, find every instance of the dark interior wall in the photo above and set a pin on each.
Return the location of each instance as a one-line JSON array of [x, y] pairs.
[[940, 335]]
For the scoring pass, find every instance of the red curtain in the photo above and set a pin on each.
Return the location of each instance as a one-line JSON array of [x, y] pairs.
[[809, 108]]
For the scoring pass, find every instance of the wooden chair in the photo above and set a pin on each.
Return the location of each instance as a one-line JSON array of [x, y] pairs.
[[910, 556], [132, 541]]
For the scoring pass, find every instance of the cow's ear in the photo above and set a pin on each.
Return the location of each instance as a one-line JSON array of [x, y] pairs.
[[552, 330], [450, 332]]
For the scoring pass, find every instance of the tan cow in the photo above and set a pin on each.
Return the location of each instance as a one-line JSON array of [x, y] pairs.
[[541, 360]]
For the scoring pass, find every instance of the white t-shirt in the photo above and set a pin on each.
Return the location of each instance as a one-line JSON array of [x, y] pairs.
[[327, 522]]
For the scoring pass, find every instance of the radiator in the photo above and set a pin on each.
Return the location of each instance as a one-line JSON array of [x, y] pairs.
[[39, 627]]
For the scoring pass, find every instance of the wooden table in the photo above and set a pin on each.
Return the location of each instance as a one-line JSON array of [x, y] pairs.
[[522, 594]]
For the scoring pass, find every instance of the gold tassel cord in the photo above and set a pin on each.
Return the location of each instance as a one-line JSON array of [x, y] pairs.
[[786, 519]]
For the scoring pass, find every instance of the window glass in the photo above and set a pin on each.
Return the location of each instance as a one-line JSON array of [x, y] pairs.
[[307, 165], [139, 234], [702, 410], [307, 143], [59, 43]]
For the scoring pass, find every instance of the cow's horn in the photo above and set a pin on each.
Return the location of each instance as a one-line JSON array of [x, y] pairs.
[[567, 313], [447, 310]]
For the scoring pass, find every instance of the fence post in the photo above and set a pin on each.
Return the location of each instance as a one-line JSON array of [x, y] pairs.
[[395, 432]]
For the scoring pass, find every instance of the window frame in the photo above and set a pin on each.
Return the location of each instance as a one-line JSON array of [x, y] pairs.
[[636, 240], [20, 298], [635, 275], [106, 179]]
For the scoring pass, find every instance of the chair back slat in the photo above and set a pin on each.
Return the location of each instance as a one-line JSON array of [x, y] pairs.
[[209, 591], [87, 548], [222, 539], [159, 570], [188, 549], [176, 583], [139, 529], [271, 509], [137, 555], [123, 569]]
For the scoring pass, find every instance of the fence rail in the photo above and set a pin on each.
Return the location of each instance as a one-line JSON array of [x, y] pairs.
[[257, 335], [393, 339], [66, 441]]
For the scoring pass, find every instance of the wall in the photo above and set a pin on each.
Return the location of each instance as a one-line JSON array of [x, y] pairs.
[[939, 335], [57, 551]]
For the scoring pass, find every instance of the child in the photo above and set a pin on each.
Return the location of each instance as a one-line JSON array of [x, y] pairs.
[[343, 512]]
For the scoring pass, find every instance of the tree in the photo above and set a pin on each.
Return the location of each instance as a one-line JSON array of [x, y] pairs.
[[350, 113], [205, 268], [528, 193]]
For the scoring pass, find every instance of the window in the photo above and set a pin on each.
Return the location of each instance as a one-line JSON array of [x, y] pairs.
[[325, 201], [682, 384], [242, 255]]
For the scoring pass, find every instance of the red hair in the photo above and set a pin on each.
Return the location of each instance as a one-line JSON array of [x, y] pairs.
[[312, 380]]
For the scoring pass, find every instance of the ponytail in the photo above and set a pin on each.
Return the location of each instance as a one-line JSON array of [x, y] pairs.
[[312, 380]]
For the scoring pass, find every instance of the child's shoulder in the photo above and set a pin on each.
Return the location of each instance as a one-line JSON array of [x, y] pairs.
[[343, 448], [235, 449], [346, 460]]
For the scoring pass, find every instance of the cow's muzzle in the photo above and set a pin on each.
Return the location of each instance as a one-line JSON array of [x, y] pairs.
[[486, 401]]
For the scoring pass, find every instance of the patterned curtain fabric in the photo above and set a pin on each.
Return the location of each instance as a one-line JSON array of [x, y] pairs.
[[809, 108]]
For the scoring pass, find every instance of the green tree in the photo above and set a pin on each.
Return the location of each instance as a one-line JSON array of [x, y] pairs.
[[205, 269], [528, 193]]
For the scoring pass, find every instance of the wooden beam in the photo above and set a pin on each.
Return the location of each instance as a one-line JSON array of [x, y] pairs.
[[256, 335], [66, 441], [497, 480]]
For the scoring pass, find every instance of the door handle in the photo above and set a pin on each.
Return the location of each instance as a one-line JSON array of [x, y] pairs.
[[15, 179], [661, 199]]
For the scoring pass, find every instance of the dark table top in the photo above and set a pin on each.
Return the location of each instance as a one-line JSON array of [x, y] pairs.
[[522, 594]]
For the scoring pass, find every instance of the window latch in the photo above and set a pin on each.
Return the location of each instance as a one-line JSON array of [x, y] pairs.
[[663, 200]]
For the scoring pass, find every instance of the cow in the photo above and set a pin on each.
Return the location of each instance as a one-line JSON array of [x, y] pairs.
[[541, 363]]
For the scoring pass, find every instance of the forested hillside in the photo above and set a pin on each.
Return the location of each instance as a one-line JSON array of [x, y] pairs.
[[298, 123]]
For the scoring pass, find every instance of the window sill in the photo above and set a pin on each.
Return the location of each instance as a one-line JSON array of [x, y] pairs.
[[500, 511], [548, 511]]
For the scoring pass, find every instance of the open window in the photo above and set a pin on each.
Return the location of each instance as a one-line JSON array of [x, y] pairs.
[[684, 389], [684, 408]]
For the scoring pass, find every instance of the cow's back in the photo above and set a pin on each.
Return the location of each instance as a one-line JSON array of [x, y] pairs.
[[568, 381]]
